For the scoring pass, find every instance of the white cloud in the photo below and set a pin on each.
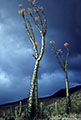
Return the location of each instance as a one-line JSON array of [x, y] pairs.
[[75, 59], [15, 59], [4, 79], [50, 83]]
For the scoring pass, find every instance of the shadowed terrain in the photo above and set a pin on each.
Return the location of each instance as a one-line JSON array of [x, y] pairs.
[[46, 100]]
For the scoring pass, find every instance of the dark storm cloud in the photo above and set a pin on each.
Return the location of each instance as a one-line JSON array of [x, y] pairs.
[[13, 87], [75, 77], [16, 61], [64, 26], [49, 83], [65, 23], [74, 63], [16, 64]]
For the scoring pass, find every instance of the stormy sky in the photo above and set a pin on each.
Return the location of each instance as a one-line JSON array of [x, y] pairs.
[[16, 60]]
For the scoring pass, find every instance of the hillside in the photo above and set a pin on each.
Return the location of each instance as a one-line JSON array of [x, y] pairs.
[[60, 112], [49, 110], [45, 100]]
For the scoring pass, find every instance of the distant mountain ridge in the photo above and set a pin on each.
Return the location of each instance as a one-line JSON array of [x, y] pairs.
[[60, 93]]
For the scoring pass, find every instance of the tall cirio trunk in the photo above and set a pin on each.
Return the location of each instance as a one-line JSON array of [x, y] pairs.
[[68, 102], [41, 24], [33, 94], [64, 68]]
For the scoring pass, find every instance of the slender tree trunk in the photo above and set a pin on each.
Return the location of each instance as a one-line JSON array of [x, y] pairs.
[[36, 95], [68, 104], [33, 99]]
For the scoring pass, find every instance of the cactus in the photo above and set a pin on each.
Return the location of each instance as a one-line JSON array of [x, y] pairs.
[[11, 111], [4, 115], [64, 68], [41, 24], [20, 108], [16, 112], [41, 109], [56, 109], [2, 118]]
